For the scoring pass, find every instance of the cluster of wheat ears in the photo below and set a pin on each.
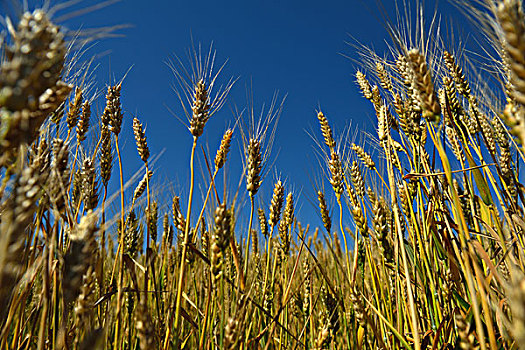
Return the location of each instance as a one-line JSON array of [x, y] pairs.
[[432, 255]]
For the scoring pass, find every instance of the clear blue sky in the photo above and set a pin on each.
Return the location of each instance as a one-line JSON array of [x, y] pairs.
[[295, 47]]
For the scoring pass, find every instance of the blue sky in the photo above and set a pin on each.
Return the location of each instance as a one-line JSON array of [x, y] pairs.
[[295, 47]]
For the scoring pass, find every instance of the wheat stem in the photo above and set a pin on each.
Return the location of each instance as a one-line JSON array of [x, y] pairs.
[[344, 237], [180, 285], [248, 241], [120, 252]]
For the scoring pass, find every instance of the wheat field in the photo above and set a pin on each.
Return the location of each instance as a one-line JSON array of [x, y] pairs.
[[422, 237]]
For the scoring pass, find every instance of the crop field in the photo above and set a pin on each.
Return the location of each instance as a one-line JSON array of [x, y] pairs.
[[419, 241]]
